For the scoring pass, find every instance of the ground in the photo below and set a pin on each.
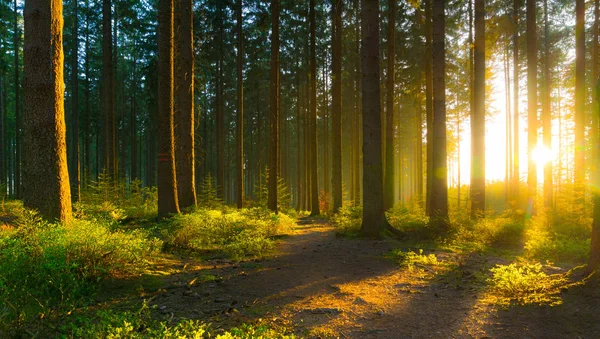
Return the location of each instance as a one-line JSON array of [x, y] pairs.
[[318, 285]]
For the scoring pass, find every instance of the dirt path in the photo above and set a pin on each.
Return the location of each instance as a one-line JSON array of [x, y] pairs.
[[323, 286]]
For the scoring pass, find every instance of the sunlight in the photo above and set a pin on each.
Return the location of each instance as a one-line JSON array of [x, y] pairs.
[[542, 155]]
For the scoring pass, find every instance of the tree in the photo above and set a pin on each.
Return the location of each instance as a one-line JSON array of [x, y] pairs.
[[373, 221], [167, 184], [45, 174], [439, 185], [108, 90], [389, 112], [239, 186], [185, 156], [478, 116], [74, 171], [516, 169], [17, 106], [274, 108], [428, 102], [579, 99], [220, 109], [336, 114], [546, 113], [312, 116], [531, 99]]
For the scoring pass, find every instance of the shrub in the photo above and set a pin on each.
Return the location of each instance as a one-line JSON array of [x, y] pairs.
[[49, 269], [237, 233], [348, 220], [525, 283], [410, 259]]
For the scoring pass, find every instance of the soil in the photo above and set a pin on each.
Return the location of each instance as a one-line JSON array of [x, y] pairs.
[[318, 285]]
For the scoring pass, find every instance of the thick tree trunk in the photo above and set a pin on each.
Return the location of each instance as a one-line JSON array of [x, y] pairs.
[[439, 185], [357, 133], [594, 261], [478, 116], [532, 119], [239, 180], [45, 174], [580, 100], [185, 157], [336, 105], [167, 183], [388, 187], [373, 221], [274, 109]]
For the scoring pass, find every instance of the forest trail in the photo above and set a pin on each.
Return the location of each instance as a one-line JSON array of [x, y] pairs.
[[323, 286]]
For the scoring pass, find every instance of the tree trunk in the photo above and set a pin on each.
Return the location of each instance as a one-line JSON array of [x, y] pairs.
[[429, 103], [594, 261], [75, 168], [2, 143], [239, 186], [336, 106], [167, 183], [580, 100], [185, 156], [274, 108], [220, 111], [17, 106], [86, 128], [45, 174], [373, 221], [107, 90], [532, 119], [478, 116], [439, 185], [388, 187], [516, 170], [313, 150], [546, 113]]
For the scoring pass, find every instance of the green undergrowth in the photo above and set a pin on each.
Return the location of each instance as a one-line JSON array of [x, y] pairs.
[[239, 234], [140, 324], [50, 269]]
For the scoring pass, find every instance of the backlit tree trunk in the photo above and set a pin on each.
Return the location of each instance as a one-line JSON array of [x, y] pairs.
[[580, 99], [45, 175], [388, 187], [516, 170], [546, 113], [428, 103], [532, 120], [167, 184], [478, 116], [336, 114], [312, 116], [439, 185]]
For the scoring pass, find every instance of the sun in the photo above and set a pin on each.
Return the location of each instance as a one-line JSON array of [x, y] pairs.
[[542, 155]]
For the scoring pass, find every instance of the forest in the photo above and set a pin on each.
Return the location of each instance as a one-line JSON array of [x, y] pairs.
[[365, 169]]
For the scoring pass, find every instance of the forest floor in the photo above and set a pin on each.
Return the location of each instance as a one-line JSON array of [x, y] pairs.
[[319, 285]]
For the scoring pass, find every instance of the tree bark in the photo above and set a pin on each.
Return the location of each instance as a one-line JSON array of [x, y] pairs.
[[388, 187], [185, 157], [579, 100], [240, 111], [45, 174], [220, 111], [108, 90], [429, 103], [532, 119], [167, 183], [439, 185], [75, 175], [274, 109], [373, 221], [516, 169], [312, 116], [17, 106], [546, 113], [478, 116], [336, 106]]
